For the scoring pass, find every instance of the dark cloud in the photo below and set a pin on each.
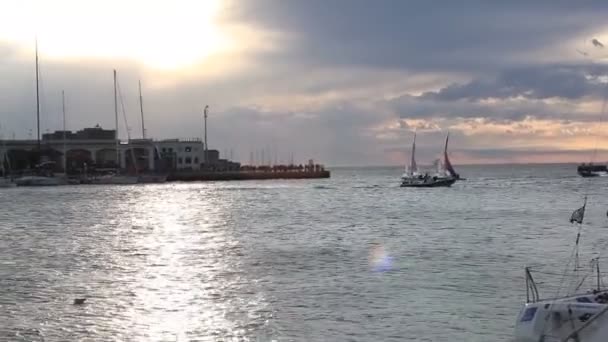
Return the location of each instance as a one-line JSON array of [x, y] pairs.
[[414, 107], [534, 82], [418, 35]]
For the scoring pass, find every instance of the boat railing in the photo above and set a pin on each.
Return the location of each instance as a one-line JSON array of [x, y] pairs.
[[576, 282], [531, 288]]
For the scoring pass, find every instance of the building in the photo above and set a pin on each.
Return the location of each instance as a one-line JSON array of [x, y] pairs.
[[186, 154], [95, 148]]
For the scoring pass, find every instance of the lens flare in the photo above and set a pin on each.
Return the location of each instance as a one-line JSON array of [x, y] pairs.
[[379, 260]]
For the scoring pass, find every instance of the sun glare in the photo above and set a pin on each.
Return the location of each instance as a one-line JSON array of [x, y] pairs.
[[160, 34]]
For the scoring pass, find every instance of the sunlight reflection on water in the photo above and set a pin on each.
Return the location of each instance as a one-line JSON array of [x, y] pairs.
[[284, 260]]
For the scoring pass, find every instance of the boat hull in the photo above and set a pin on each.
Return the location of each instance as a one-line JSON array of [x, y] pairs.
[[152, 179], [118, 180], [430, 183], [562, 320], [39, 181], [7, 184], [589, 174]]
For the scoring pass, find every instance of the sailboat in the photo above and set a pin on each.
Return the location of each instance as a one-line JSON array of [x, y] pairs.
[[577, 315], [413, 179], [43, 175], [115, 178], [148, 177]]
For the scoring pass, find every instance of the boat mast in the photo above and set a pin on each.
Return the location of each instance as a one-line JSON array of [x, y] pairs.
[[205, 112], [597, 267], [116, 123], [413, 167], [446, 161], [65, 157], [37, 102], [141, 108]]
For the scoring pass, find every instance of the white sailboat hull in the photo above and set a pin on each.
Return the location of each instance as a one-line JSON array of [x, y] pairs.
[[561, 320]]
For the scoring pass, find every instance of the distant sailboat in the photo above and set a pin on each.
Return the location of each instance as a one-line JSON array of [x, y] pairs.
[[148, 177], [412, 179], [115, 178], [43, 176]]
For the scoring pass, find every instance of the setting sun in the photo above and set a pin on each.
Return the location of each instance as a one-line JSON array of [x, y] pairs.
[[154, 33]]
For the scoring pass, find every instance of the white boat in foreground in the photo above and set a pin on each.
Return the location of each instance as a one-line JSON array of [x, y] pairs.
[[577, 315]]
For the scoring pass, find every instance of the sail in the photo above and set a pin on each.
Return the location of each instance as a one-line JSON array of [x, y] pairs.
[[413, 166], [446, 160]]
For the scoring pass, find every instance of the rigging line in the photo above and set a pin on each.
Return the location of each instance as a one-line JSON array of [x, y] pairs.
[[122, 106], [565, 273], [601, 120], [593, 157], [604, 104], [124, 115]]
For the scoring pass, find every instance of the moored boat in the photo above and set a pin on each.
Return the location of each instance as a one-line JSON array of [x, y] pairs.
[[7, 183], [152, 178], [577, 315], [114, 179], [592, 170], [39, 181]]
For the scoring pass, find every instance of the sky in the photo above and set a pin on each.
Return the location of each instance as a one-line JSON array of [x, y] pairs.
[[344, 82]]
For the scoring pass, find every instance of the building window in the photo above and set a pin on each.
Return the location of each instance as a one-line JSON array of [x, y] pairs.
[[179, 160], [170, 149], [188, 149], [164, 150], [188, 160], [195, 160]]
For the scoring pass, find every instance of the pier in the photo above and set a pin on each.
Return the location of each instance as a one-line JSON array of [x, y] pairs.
[[190, 176], [94, 152]]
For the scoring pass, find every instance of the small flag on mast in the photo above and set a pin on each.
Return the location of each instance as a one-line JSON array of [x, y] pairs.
[[578, 214]]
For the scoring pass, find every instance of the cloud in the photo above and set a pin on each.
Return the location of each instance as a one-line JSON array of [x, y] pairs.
[[346, 82], [468, 35], [533, 82]]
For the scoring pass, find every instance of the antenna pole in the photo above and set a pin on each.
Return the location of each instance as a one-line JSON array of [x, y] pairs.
[[37, 100], [141, 108]]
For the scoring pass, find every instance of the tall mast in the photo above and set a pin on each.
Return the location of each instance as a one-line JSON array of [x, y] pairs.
[[141, 108], [37, 101], [65, 157], [413, 167], [206, 149], [116, 123]]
